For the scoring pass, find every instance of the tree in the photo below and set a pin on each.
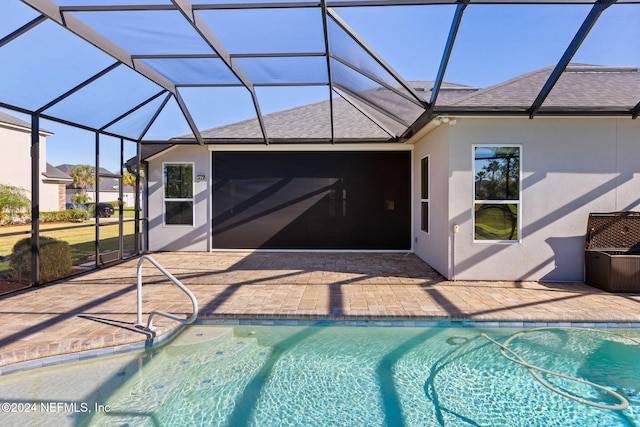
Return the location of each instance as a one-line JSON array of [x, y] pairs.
[[130, 179], [493, 167], [80, 198], [83, 175], [13, 199], [499, 176], [480, 184]]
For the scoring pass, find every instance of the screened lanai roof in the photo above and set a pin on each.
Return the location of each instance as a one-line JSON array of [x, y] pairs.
[[153, 70]]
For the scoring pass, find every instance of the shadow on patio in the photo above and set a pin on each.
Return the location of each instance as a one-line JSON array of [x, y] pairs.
[[97, 310]]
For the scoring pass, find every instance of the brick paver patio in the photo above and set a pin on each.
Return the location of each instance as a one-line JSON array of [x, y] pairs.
[[98, 309]]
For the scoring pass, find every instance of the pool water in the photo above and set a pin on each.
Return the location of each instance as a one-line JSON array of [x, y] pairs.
[[339, 376]]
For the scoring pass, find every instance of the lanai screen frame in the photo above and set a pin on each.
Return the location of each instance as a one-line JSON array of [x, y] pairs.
[[192, 13]]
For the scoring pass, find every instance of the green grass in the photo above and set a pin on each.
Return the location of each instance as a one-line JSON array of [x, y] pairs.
[[81, 238], [71, 236]]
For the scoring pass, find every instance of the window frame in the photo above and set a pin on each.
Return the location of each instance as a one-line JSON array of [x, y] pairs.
[[517, 202], [425, 191], [166, 199]]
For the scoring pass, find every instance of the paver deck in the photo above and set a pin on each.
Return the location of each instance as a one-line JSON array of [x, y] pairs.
[[98, 309]]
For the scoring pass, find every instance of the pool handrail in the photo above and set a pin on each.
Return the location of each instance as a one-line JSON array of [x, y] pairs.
[[177, 282]]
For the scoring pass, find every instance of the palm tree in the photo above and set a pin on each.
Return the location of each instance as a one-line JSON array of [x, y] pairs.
[[80, 198], [82, 176], [493, 167]]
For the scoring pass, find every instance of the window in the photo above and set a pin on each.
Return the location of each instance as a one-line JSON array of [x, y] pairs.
[[424, 194], [496, 193], [178, 193]]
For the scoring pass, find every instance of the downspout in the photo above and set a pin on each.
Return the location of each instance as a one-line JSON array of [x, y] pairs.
[[455, 229]]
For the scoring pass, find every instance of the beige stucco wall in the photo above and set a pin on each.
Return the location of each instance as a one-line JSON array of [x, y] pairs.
[[570, 167], [15, 169], [50, 197], [428, 245], [15, 165]]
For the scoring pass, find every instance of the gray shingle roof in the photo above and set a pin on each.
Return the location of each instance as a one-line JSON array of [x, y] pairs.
[[312, 121], [14, 121], [53, 172], [10, 120], [580, 88]]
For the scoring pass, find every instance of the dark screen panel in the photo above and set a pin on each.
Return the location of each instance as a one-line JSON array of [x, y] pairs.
[[312, 200]]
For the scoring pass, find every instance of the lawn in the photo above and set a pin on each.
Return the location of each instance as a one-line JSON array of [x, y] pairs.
[[80, 236]]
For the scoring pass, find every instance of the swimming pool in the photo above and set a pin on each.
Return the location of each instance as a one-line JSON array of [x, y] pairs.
[[337, 376]]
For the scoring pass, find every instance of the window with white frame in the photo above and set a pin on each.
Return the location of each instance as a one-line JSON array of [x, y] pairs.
[[496, 211], [178, 193], [424, 194]]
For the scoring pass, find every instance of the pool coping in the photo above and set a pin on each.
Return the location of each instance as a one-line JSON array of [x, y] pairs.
[[77, 356], [349, 321]]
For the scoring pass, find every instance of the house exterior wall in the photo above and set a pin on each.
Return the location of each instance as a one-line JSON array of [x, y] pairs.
[[570, 167], [15, 169], [180, 237], [128, 199], [50, 197], [198, 237], [428, 246]]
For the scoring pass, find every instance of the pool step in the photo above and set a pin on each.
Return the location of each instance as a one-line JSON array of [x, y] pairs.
[[199, 335], [202, 345], [197, 360]]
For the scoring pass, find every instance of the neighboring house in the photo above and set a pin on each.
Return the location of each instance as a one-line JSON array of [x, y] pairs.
[[109, 188], [55, 189], [15, 165], [477, 196]]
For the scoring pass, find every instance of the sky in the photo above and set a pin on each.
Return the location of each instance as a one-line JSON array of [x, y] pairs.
[[494, 44]]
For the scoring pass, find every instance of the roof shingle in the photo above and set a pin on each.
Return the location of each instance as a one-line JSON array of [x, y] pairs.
[[581, 88]]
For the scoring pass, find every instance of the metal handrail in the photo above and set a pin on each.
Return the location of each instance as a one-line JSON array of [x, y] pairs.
[[179, 284]]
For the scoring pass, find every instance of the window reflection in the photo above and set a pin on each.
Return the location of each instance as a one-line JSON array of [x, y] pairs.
[[178, 194], [496, 222], [497, 173]]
